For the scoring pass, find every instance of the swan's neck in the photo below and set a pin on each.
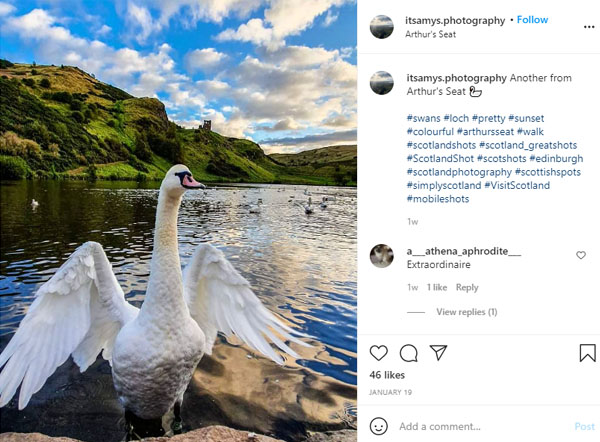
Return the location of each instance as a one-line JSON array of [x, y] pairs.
[[164, 295]]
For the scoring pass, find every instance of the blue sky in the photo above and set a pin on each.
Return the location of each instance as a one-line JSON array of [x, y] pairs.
[[279, 72]]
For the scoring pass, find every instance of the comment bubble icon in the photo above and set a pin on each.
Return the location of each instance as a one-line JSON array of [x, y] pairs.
[[409, 353]]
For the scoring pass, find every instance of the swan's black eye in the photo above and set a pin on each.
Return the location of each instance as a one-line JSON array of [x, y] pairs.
[[182, 175]]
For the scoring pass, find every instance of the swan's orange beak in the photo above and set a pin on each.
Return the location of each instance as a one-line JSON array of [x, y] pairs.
[[190, 183]]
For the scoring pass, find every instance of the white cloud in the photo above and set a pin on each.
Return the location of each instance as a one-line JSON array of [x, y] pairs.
[[287, 91], [148, 84], [188, 12], [235, 125], [206, 59], [283, 18], [204, 10], [285, 125], [255, 32], [330, 18], [184, 98], [285, 94], [297, 144], [104, 30], [298, 56], [213, 88], [39, 26], [140, 18], [6, 9], [346, 52], [337, 121], [289, 17]]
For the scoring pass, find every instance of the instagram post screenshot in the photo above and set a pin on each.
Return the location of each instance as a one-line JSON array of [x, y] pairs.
[[299, 221]]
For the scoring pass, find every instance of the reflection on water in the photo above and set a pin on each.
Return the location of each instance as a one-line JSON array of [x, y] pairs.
[[301, 266]]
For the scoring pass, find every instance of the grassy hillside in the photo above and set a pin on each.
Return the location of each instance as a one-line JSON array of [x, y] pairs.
[[60, 122], [337, 162]]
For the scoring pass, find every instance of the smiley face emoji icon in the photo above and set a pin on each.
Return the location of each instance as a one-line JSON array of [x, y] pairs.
[[378, 426]]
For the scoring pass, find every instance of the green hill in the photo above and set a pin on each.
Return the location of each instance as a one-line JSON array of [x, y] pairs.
[[338, 162], [60, 122]]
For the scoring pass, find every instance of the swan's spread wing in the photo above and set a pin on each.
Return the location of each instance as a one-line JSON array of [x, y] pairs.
[[79, 311], [220, 300]]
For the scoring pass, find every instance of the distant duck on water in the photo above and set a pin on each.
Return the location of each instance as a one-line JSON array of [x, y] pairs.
[[256, 208], [308, 208]]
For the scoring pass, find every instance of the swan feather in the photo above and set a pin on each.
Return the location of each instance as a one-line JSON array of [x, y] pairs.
[[221, 300], [77, 312]]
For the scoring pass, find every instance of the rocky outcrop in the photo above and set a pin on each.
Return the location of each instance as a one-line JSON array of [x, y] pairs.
[[216, 433], [333, 436], [32, 437]]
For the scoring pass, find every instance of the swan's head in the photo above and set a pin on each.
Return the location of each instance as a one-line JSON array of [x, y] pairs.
[[179, 179]]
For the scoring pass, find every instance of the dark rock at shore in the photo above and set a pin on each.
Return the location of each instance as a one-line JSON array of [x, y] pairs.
[[333, 436], [216, 433], [33, 437]]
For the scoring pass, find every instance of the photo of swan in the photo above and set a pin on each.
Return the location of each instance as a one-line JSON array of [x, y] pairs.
[[178, 221], [164, 310], [153, 350]]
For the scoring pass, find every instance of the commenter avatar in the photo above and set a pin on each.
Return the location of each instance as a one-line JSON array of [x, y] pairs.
[[381, 255]]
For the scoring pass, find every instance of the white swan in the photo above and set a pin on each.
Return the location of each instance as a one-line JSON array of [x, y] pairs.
[[324, 203], [308, 208], [154, 350], [34, 204], [256, 208]]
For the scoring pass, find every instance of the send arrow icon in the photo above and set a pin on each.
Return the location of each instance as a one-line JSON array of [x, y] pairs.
[[439, 350]]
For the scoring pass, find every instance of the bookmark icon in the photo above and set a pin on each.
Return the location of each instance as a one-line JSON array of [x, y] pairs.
[[587, 351]]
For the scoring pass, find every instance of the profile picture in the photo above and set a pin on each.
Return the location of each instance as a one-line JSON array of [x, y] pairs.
[[381, 82], [382, 26], [382, 255]]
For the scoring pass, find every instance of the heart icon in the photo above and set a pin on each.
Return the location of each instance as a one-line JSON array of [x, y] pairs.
[[580, 254], [378, 351]]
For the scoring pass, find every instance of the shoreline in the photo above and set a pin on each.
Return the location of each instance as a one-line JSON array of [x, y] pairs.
[[208, 434], [80, 178]]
